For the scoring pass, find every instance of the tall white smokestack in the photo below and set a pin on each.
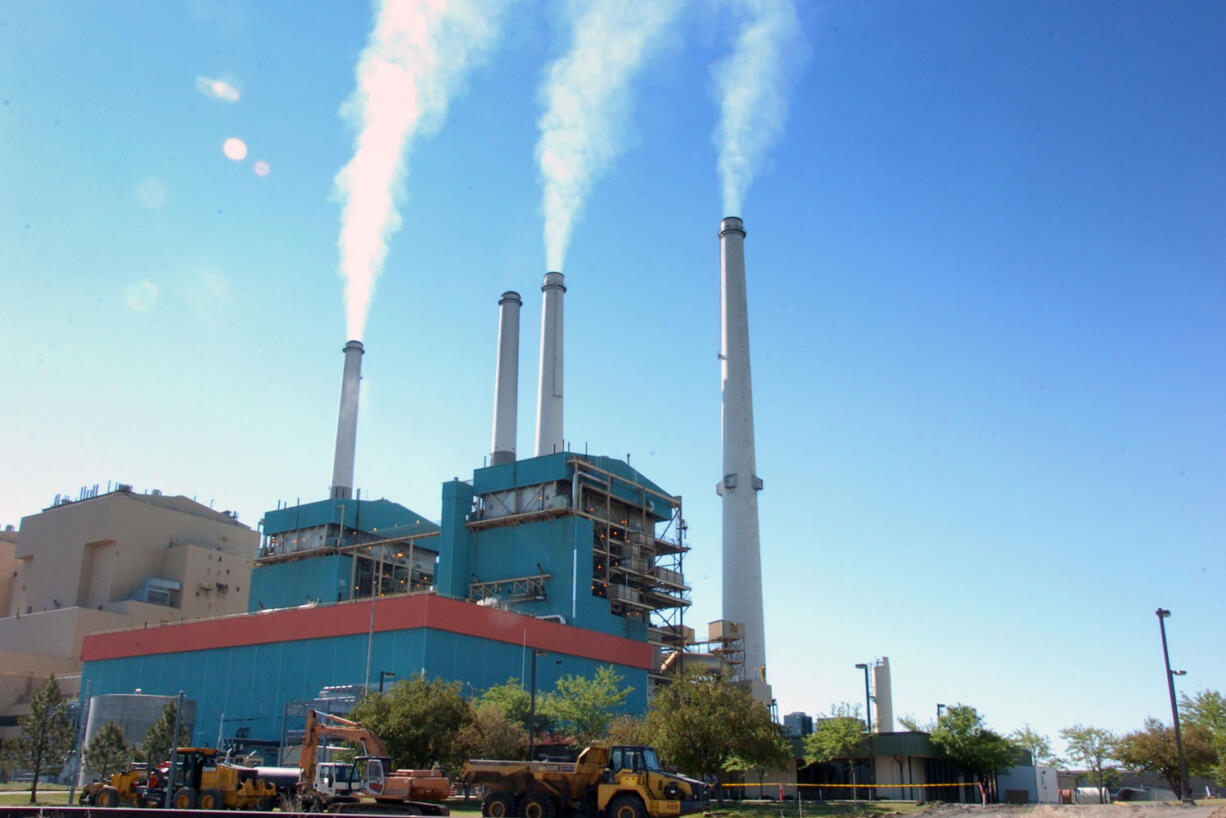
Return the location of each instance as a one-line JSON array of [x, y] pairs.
[[347, 423], [740, 486], [882, 696], [506, 380], [549, 400]]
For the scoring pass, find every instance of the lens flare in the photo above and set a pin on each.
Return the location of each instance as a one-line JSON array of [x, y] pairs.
[[261, 168], [141, 296], [151, 193], [235, 148]]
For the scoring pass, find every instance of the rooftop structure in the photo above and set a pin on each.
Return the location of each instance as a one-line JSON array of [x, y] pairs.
[[111, 560]]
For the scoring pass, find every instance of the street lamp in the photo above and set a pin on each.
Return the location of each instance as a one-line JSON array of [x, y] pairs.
[[532, 707], [1184, 786], [868, 701], [384, 674], [940, 707]]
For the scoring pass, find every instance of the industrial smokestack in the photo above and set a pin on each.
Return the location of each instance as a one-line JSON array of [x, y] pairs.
[[506, 380], [882, 695], [549, 400], [347, 423], [740, 485]]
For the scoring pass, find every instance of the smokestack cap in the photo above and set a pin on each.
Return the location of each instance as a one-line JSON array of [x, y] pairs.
[[512, 296], [553, 281], [731, 224], [354, 345]]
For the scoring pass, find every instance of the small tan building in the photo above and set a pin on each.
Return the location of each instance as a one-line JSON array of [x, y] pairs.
[[117, 560]]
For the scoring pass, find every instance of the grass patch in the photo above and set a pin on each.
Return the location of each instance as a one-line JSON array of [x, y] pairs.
[[52, 798]]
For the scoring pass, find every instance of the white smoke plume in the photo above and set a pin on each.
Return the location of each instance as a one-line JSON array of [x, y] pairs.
[[752, 84], [417, 57], [587, 100]]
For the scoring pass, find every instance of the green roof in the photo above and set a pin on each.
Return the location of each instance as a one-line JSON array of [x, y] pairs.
[[381, 517]]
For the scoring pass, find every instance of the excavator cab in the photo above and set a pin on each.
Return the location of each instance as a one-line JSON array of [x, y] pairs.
[[373, 773]]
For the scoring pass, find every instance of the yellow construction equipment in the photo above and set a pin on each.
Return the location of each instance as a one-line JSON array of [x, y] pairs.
[[618, 781], [127, 788], [202, 782]]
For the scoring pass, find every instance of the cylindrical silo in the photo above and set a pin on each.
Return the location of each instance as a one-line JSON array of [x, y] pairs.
[[883, 696]]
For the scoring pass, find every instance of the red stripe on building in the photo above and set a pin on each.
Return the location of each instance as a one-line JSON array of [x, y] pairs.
[[352, 618]]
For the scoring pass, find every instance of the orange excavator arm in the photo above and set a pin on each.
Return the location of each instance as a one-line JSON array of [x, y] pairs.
[[335, 727]]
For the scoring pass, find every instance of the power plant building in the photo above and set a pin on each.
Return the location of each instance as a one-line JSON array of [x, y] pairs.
[[109, 560], [575, 555], [561, 562]]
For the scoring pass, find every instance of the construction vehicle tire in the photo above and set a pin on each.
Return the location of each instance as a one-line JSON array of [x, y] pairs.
[[210, 799], [498, 804], [107, 797], [537, 805], [185, 798], [263, 804], [626, 805]]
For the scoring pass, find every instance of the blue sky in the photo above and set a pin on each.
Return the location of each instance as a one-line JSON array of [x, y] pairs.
[[986, 289]]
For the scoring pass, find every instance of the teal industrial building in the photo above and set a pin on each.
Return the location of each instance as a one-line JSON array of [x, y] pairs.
[[565, 560]]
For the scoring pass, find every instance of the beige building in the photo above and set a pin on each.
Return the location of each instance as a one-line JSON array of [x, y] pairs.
[[118, 560]]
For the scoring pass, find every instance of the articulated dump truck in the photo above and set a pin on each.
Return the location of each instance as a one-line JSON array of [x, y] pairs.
[[612, 782]]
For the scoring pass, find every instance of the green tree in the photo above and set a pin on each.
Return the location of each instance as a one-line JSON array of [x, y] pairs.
[[704, 725], [627, 729], [966, 739], [516, 703], [46, 735], [1038, 744], [158, 741], [418, 720], [765, 747], [1092, 748], [836, 736], [107, 752], [1207, 710], [490, 734], [916, 726], [1153, 749], [583, 707], [510, 698]]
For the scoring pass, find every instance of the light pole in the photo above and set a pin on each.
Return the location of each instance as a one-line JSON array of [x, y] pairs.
[[868, 700], [940, 707], [532, 707], [1184, 786], [384, 674]]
